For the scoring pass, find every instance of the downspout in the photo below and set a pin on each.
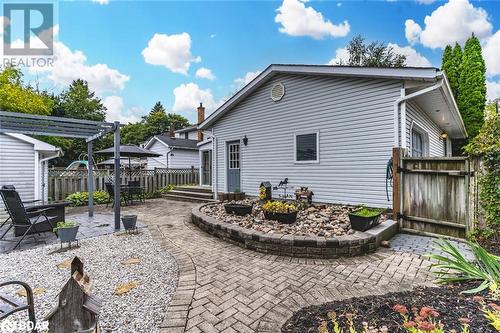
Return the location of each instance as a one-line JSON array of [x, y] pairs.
[[402, 124], [42, 170]]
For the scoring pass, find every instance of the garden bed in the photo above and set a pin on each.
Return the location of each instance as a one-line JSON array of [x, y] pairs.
[[378, 311], [318, 220]]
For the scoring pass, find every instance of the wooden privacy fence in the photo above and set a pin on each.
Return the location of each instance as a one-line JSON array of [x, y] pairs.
[[62, 183], [435, 195]]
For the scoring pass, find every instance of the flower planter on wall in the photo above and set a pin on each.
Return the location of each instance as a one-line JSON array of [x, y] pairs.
[[238, 209], [286, 218], [362, 223]]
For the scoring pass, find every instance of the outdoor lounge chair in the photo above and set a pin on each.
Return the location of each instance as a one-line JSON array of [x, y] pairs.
[[10, 305], [12, 187], [20, 217]]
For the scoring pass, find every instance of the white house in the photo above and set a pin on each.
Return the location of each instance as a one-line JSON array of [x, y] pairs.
[[190, 132], [331, 128], [24, 163], [175, 152]]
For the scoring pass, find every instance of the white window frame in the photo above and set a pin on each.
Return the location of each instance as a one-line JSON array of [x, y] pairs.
[[425, 139], [316, 161]]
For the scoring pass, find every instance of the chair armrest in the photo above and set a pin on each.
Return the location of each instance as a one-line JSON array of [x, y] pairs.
[[31, 201]]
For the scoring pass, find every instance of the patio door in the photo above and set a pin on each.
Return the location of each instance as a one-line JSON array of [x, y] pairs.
[[206, 166], [233, 166]]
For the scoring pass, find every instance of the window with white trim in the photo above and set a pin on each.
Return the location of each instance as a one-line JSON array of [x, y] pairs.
[[307, 147], [419, 141]]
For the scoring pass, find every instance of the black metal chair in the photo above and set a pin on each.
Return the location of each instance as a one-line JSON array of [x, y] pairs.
[[20, 217], [12, 187], [10, 305], [135, 189], [110, 188]]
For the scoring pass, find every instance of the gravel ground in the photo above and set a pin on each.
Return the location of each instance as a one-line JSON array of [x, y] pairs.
[[317, 220], [140, 310]]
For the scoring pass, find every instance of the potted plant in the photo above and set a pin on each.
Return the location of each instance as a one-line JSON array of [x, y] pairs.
[[129, 222], [238, 209], [66, 231], [280, 211], [365, 218]]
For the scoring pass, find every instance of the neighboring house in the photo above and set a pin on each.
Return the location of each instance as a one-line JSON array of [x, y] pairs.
[[24, 163], [175, 152], [330, 128], [179, 149]]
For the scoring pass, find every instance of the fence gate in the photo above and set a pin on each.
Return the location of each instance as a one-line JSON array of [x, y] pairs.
[[435, 195]]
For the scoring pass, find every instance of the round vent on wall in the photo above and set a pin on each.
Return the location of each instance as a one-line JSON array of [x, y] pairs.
[[277, 92]]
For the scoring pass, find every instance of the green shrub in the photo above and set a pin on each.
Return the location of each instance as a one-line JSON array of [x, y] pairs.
[[368, 212], [456, 268], [82, 198], [65, 224]]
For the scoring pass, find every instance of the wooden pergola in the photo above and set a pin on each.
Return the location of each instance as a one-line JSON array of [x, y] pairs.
[[12, 122]]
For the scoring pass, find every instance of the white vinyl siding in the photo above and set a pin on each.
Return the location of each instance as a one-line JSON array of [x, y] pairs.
[[354, 119], [182, 158], [192, 135], [17, 167], [415, 114]]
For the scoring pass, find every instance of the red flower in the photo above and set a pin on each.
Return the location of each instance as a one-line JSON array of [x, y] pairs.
[[428, 312], [409, 324], [401, 309], [494, 306], [426, 326], [464, 321]]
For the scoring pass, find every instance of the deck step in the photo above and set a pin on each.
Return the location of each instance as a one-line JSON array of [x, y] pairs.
[[199, 189], [186, 198], [203, 195]]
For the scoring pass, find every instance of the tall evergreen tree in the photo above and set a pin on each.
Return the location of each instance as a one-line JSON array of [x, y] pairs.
[[472, 87], [455, 69]]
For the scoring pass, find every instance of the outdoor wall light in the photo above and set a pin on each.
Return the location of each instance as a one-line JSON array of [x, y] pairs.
[[245, 140], [444, 136]]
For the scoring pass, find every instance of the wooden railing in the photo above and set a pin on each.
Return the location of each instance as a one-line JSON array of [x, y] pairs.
[[62, 183]]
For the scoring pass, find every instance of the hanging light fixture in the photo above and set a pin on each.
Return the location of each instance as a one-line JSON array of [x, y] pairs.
[[245, 140]]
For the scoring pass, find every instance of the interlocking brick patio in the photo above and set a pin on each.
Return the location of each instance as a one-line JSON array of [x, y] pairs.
[[225, 288]]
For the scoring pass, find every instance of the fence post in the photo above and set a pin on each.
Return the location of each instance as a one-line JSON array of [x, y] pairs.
[[396, 182]]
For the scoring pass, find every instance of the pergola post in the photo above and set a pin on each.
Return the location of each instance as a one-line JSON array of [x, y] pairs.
[[117, 199], [90, 178]]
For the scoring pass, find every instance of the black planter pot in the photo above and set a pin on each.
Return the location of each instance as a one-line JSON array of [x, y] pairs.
[[362, 223], [129, 222], [67, 235], [286, 218], [238, 209]]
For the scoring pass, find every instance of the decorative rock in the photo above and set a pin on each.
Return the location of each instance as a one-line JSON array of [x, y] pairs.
[[125, 287], [131, 261]]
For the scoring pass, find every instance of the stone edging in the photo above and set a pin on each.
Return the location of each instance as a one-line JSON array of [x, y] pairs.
[[296, 246], [176, 317]]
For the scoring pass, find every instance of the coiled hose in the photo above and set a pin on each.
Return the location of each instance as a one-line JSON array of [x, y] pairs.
[[388, 177]]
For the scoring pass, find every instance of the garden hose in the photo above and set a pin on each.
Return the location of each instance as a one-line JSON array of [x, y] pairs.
[[388, 177]]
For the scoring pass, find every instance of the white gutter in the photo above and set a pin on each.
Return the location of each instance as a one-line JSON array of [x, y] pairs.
[[402, 124]]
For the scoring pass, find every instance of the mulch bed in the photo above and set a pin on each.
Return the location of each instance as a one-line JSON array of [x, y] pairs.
[[491, 245], [377, 310]]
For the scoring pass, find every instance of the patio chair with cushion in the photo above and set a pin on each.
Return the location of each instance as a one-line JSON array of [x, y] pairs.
[[20, 217], [10, 305]]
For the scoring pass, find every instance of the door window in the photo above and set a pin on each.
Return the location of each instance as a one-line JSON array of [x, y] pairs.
[[234, 155]]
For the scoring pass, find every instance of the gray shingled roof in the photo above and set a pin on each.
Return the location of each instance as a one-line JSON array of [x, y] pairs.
[[178, 142]]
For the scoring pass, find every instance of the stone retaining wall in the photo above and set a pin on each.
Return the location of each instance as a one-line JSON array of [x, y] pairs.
[[296, 246]]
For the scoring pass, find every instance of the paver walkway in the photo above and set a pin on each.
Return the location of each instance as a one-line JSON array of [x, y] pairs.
[[225, 288]]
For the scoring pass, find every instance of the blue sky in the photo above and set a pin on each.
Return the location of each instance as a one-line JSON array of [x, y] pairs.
[[134, 53]]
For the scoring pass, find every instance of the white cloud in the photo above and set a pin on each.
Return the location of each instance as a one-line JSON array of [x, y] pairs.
[[493, 89], [173, 52], [426, 2], [205, 73], [213, 35], [452, 22], [101, 2], [115, 111], [491, 54], [243, 81], [298, 20], [412, 31], [188, 97], [413, 58], [70, 65], [341, 57]]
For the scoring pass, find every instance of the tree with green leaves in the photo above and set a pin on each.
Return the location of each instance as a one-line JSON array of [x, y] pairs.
[[133, 133], [374, 54], [80, 103], [452, 58], [17, 97], [472, 87], [158, 121]]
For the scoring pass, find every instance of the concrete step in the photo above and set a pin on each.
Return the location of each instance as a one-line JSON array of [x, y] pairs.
[[186, 198], [199, 189], [203, 195]]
